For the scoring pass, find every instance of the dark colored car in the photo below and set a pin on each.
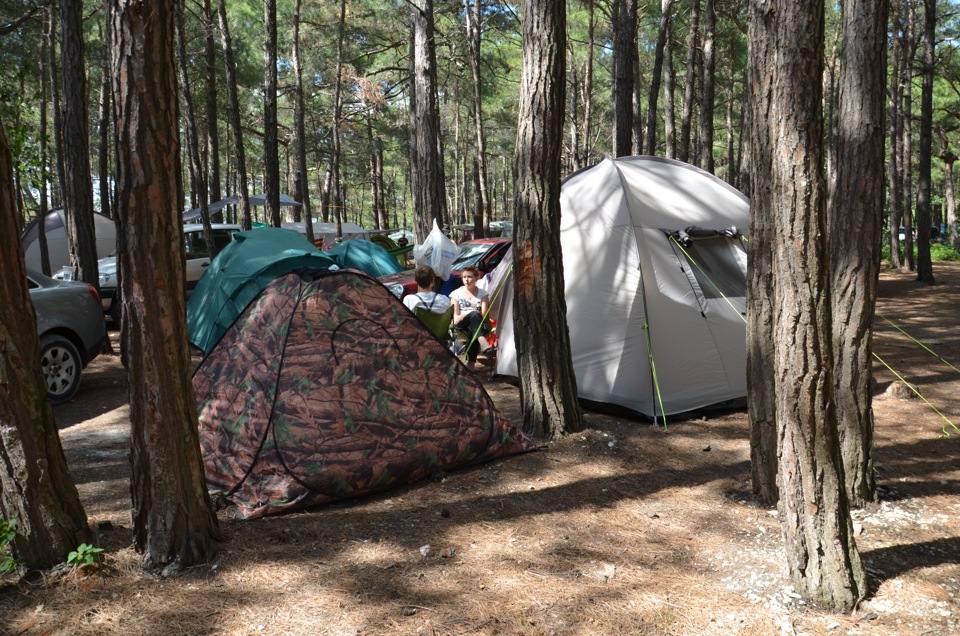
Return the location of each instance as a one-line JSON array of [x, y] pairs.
[[71, 328], [485, 254]]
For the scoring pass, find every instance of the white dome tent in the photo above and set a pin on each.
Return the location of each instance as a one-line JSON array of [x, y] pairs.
[[655, 284]]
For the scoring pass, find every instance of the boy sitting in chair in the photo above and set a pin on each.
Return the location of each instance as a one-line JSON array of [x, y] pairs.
[[426, 298]]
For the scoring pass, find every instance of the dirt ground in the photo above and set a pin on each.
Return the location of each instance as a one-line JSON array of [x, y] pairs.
[[626, 528]]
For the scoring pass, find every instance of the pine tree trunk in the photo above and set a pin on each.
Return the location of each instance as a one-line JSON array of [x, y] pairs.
[[625, 42], [37, 490], [894, 130], [821, 554], [906, 146], [856, 210], [213, 135], [337, 200], [949, 158], [44, 159], [482, 196], [548, 391], [271, 144], [587, 126], [103, 128], [174, 525], [78, 187], [234, 99], [924, 185], [426, 166], [707, 84], [669, 81], [761, 389], [51, 36], [299, 128], [686, 116], [661, 49]]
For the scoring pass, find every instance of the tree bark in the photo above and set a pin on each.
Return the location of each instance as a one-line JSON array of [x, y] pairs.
[[103, 155], [821, 554], [193, 141], [856, 210], [271, 145], [44, 159], [894, 130], [707, 83], [548, 391], [669, 120], [37, 490], [761, 389], [234, 99], [51, 36], [666, 6], [482, 196], [686, 116], [426, 166], [949, 158], [906, 146], [624, 45], [336, 200], [213, 135], [300, 141], [78, 187], [924, 185], [174, 525]]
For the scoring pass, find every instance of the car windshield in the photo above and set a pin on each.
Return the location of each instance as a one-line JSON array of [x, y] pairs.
[[471, 255]]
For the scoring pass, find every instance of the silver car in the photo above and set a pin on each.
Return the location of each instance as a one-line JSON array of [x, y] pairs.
[[198, 259], [71, 329]]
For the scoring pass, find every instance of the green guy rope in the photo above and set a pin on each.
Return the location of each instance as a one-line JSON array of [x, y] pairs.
[[920, 395], [697, 265], [929, 350]]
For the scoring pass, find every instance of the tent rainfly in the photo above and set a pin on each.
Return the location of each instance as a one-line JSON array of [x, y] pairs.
[[654, 267], [55, 229], [327, 387]]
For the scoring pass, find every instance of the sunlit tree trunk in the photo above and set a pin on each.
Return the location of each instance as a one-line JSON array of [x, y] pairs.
[[482, 196], [103, 151], [213, 117], [894, 132], [666, 6], [174, 524], [707, 84], [856, 210], [300, 136], [548, 391], [821, 554], [669, 118], [906, 146], [37, 491]]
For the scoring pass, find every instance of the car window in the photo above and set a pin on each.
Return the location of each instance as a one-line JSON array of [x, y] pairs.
[[470, 255], [196, 244]]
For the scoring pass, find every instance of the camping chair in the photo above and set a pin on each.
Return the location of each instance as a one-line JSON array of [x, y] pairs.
[[438, 324]]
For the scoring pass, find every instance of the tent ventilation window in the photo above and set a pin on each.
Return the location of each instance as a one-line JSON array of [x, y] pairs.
[[716, 265]]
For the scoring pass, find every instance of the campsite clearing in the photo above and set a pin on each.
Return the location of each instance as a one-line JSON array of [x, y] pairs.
[[625, 528]]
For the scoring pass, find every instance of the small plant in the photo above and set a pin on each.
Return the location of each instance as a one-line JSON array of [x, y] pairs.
[[84, 556], [8, 563]]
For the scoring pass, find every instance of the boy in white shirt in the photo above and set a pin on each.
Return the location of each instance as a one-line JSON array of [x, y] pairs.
[[425, 296]]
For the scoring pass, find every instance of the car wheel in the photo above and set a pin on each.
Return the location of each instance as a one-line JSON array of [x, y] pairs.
[[61, 365]]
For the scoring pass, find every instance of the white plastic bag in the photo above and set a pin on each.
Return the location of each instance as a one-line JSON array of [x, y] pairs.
[[437, 251]]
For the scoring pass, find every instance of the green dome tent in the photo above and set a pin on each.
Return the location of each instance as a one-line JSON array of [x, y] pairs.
[[366, 256], [239, 272]]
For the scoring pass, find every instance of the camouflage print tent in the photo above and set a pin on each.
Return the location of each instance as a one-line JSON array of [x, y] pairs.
[[327, 387]]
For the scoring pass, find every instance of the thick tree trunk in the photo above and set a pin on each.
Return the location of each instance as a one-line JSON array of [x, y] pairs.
[[234, 99], [548, 391], [821, 554], [37, 490], [856, 210], [426, 165], [686, 116], [174, 525], [624, 45], [761, 389], [78, 187], [924, 186], [271, 145], [707, 83]]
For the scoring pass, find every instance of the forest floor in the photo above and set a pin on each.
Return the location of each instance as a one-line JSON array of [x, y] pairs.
[[626, 528]]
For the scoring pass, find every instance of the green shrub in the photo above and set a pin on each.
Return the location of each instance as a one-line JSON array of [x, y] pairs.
[[8, 563]]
